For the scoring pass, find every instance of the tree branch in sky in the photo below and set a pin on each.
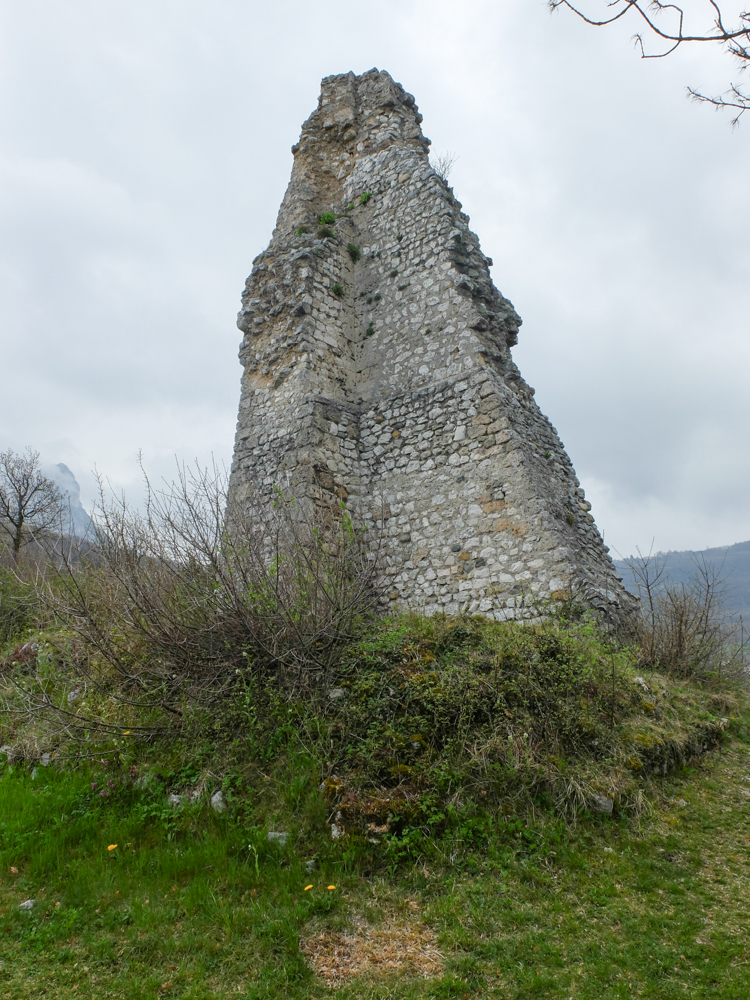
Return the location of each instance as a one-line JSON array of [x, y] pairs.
[[664, 23]]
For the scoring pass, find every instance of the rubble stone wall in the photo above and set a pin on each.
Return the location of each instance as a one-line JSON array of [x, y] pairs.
[[377, 365]]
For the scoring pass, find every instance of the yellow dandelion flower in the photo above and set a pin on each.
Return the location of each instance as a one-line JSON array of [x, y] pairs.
[[112, 847], [308, 887], [331, 887], [126, 733]]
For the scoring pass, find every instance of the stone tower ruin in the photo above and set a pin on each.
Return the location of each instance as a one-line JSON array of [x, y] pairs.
[[377, 366]]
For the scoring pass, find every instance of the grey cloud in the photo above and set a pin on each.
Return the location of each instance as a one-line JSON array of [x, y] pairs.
[[144, 149]]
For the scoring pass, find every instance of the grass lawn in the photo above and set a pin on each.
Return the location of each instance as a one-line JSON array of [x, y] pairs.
[[182, 907]]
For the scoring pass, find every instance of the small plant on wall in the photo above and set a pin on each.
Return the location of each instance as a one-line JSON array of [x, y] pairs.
[[354, 252], [338, 289], [326, 219]]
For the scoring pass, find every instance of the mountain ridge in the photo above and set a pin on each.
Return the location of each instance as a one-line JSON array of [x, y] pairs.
[[731, 563]]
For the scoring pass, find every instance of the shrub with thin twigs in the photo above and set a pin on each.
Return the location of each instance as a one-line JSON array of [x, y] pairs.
[[200, 588], [684, 629], [442, 164]]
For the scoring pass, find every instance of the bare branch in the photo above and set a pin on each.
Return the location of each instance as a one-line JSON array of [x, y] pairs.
[[177, 601], [30, 503], [735, 39], [442, 164]]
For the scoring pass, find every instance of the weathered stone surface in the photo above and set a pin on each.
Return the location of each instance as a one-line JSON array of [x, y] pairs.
[[377, 366], [601, 803]]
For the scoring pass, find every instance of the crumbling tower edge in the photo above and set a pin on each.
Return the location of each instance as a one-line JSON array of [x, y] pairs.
[[377, 366]]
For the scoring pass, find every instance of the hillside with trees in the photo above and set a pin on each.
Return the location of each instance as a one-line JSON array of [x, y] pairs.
[[729, 563]]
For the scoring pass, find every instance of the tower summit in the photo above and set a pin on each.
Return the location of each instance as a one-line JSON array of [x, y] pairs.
[[377, 366]]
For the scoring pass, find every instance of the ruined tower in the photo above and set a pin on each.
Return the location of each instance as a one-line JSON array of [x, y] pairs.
[[377, 365]]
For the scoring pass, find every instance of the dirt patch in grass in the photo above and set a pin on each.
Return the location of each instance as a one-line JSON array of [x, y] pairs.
[[395, 945]]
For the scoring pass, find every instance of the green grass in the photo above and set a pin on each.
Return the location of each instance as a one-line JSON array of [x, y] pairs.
[[457, 756], [654, 907]]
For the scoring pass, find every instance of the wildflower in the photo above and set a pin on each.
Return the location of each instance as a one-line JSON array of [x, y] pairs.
[[112, 847], [308, 887], [126, 733], [93, 785], [331, 888]]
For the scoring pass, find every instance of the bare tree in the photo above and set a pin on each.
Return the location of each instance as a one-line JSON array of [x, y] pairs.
[[669, 33], [30, 504]]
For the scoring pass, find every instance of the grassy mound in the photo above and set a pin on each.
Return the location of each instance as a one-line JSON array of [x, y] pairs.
[[403, 828], [428, 719], [420, 719]]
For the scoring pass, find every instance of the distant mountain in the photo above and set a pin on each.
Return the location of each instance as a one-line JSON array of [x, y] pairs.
[[731, 563], [80, 521]]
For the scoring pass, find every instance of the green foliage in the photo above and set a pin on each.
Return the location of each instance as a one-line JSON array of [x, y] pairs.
[[326, 219], [354, 252], [302, 230], [370, 331], [364, 198], [337, 289], [324, 233]]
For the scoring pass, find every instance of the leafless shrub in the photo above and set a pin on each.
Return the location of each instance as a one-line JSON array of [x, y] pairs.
[[21, 611], [200, 588], [684, 629], [442, 164]]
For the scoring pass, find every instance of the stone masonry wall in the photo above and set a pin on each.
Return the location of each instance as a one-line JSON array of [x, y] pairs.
[[377, 365]]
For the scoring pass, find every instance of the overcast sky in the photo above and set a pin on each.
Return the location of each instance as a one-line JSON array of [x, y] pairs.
[[144, 151]]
